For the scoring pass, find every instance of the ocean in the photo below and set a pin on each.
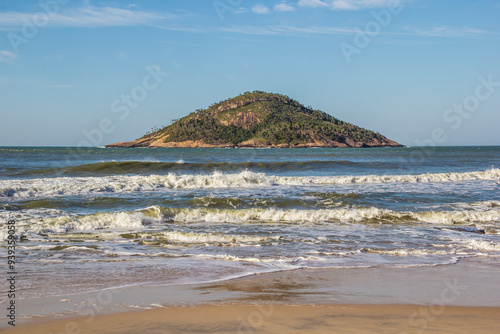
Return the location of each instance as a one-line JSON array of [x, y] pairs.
[[90, 219]]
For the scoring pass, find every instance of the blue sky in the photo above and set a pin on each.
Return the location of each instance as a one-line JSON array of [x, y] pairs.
[[418, 71]]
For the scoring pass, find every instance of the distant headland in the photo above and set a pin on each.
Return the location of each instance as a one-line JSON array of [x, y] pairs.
[[260, 120]]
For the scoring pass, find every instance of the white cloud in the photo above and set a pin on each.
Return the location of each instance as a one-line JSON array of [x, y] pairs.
[[177, 27], [240, 10], [88, 16], [312, 3], [345, 4], [260, 9], [283, 7], [446, 31], [249, 30], [286, 30], [7, 56], [361, 4]]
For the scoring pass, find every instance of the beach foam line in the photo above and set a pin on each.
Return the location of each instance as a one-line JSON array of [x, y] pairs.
[[61, 186]]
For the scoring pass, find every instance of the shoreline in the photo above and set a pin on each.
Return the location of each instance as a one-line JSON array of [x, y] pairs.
[[470, 284], [133, 144]]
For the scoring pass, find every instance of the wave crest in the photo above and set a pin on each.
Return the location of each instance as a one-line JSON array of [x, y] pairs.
[[370, 214], [50, 187]]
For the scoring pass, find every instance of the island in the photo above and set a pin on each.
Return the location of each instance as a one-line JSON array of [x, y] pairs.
[[260, 120]]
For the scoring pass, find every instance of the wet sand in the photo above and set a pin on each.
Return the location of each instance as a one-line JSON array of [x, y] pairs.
[[283, 319], [457, 298]]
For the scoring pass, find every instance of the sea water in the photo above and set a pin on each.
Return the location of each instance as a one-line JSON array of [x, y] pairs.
[[96, 218]]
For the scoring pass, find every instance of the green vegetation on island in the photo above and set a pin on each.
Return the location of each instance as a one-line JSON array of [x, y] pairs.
[[259, 119]]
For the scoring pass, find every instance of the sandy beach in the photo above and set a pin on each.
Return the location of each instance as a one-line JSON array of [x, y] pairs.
[[458, 298], [282, 319]]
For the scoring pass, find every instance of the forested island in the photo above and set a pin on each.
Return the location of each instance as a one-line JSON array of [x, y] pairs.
[[259, 119]]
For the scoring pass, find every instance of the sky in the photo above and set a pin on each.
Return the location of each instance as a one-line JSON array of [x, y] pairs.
[[80, 73]]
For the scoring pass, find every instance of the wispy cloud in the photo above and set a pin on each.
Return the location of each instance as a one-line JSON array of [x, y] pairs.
[[345, 4], [436, 32], [260, 9], [177, 43], [312, 3], [89, 16], [447, 31], [286, 30], [178, 27], [7, 56], [283, 7], [240, 10], [359, 4]]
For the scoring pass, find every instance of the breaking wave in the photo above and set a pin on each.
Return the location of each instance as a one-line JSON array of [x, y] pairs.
[[154, 216], [317, 216], [203, 238], [61, 186], [490, 174], [157, 167]]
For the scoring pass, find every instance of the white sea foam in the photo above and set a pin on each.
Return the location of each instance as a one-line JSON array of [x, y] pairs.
[[48, 187], [193, 237], [411, 252], [456, 217], [277, 260], [482, 245], [273, 215], [490, 174], [316, 216], [108, 220], [67, 223], [135, 220], [204, 238]]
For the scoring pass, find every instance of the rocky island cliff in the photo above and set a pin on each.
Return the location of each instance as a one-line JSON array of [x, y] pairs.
[[260, 120]]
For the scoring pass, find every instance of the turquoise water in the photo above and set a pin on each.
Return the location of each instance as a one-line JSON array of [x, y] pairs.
[[165, 216]]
